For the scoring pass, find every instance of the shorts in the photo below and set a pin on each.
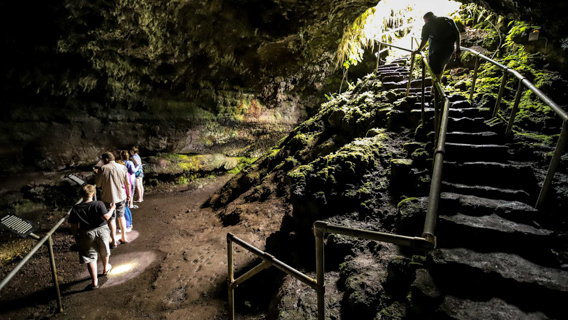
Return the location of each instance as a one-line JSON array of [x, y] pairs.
[[119, 209], [439, 59], [93, 242]]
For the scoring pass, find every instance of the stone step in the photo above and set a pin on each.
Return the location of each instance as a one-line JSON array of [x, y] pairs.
[[404, 83], [417, 83], [452, 203], [392, 68], [488, 192], [417, 92], [456, 97], [460, 104], [485, 137], [383, 76], [467, 124], [483, 276], [395, 77], [492, 174], [492, 233], [454, 112], [476, 152], [453, 308], [394, 85]]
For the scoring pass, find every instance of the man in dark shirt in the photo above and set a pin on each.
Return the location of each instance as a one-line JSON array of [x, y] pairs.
[[89, 225], [442, 33]]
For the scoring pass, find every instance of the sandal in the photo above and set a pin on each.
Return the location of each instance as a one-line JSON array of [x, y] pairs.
[[113, 246], [109, 268], [123, 242], [92, 287]]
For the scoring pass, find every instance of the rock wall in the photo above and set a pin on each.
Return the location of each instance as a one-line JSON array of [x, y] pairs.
[[185, 76]]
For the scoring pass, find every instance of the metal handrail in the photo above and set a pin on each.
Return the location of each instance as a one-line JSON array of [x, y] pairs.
[[426, 242], [428, 239], [268, 261], [49, 240], [523, 82], [440, 127]]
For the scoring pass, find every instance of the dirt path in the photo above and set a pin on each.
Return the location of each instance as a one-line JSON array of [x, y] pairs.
[[175, 267]]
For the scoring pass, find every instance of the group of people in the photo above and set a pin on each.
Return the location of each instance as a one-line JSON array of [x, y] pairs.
[[93, 223]]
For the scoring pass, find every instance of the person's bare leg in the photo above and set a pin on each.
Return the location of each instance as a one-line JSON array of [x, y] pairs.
[[140, 189], [92, 266], [122, 224], [112, 226], [105, 264]]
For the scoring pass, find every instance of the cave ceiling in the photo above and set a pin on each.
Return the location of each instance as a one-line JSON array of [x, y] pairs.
[[153, 49]]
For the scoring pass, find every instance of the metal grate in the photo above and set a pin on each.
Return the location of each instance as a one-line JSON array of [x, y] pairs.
[[17, 225]]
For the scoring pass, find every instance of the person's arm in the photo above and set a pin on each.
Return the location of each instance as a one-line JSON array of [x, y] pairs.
[[132, 168], [98, 178], [422, 45], [75, 230], [107, 214], [128, 186], [425, 36], [458, 41]]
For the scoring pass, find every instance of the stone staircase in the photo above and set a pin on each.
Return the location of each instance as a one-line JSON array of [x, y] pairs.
[[496, 253]]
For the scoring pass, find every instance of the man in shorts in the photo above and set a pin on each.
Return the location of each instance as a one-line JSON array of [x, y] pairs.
[[88, 221], [442, 33], [113, 180]]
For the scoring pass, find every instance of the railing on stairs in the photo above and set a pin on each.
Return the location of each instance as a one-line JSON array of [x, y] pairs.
[[320, 228], [523, 82], [428, 239]]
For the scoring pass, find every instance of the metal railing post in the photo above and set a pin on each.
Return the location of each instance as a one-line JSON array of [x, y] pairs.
[[423, 86], [410, 76], [54, 273], [435, 187], [319, 233], [515, 109], [231, 278], [501, 91], [436, 111], [560, 145], [378, 58], [474, 80]]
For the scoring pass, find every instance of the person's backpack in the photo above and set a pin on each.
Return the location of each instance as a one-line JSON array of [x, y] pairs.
[[449, 27]]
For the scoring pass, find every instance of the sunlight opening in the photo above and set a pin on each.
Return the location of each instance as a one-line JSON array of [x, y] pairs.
[[390, 21]]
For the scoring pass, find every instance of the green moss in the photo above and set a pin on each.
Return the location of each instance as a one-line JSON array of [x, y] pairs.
[[406, 201], [243, 163], [418, 260]]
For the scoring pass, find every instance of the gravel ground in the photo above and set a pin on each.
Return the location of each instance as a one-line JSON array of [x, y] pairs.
[[174, 268]]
